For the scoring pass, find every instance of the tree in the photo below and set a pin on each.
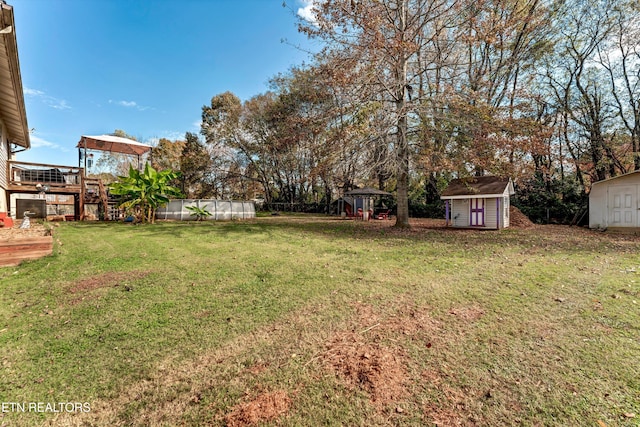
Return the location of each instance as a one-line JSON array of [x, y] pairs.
[[578, 85], [381, 40], [195, 168], [143, 192], [166, 155], [620, 57]]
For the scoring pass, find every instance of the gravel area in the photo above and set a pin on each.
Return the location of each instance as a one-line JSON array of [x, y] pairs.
[[15, 232]]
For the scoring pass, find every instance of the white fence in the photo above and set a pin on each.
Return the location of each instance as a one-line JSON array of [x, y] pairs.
[[219, 209]]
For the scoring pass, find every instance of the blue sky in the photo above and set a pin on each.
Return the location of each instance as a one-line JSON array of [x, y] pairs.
[[146, 67]]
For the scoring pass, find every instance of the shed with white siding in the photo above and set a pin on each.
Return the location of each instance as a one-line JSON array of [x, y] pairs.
[[615, 202], [478, 202]]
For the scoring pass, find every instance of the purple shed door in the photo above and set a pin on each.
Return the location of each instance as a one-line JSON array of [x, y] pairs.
[[477, 213]]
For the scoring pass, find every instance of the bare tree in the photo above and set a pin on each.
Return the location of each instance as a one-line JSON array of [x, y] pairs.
[[380, 40]]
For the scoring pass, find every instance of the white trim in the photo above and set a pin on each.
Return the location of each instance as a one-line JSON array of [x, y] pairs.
[[474, 196], [615, 177]]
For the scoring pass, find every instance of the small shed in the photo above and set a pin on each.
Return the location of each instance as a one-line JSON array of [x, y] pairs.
[[478, 202], [615, 202]]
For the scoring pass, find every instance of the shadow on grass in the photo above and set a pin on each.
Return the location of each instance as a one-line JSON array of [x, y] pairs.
[[571, 239]]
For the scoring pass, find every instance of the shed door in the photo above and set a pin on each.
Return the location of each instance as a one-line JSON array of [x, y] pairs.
[[477, 213], [623, 206]]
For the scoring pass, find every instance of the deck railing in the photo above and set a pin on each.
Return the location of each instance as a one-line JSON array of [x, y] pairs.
[[52, 176]]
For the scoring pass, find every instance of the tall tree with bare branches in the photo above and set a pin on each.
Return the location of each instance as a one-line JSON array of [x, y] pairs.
[[381, 40]]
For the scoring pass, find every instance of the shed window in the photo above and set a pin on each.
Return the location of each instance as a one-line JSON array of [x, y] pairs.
[[506, 207]]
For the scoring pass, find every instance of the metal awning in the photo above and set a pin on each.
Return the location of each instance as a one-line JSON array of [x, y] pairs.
[[113, 144]]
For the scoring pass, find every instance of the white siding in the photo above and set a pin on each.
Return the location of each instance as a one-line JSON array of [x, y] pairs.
[[504, 210], [490, 213], [494, 208], [615, 202], [4, 157], [460, 212]]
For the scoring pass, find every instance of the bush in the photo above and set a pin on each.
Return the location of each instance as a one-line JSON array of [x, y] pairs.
[[420, 209], [551, 201]]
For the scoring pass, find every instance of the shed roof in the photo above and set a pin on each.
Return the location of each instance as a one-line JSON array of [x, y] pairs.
[[616, 177], [477, 187], [367, 191], [114, 144], [12, 109]]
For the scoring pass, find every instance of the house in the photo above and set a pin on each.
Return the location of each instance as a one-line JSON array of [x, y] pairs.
[[615, 202], [42, 190], [478, 202], [14, 131]]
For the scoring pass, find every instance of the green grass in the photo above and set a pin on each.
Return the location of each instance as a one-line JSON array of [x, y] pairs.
[[357, 324]]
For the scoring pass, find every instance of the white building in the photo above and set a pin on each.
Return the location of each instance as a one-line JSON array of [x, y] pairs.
[[478, 202], [615, 202]]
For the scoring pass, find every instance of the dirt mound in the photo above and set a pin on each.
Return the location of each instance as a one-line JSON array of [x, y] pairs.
[[368, 366], [265, 407], [519, 220]]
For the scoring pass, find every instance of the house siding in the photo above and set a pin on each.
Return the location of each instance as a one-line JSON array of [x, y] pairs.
[[4, 157]]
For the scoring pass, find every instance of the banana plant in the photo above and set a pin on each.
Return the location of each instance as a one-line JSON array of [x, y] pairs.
[[199, 212], [144, 192]]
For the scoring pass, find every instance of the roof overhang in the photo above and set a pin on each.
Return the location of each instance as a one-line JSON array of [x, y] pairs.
[[615, 177], [478, 188], [367, 191], [113, 144], [12, 108], [476, 196]]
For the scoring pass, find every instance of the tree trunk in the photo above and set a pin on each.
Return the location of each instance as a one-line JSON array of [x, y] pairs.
[[402, 217], [402, 145]]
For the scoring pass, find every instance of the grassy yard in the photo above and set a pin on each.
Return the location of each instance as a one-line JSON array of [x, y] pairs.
[[309, 321]]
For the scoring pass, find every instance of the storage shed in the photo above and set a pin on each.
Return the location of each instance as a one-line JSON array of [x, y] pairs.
[[478, 202], [615, 202]]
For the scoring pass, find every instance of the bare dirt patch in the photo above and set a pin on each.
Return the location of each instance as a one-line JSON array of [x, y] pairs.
[[467, 314], [104, 280], [263, 408], [362, 359], [15, 232], [83, 288], [412, 320], [371, 367]]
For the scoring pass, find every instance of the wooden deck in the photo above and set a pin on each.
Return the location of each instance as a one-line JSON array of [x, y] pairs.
[[25, 177]]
